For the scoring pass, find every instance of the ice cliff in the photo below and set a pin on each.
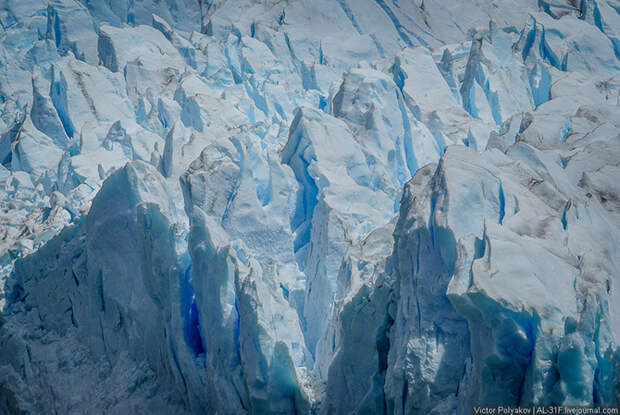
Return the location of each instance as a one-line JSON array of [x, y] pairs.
[[330, 207]]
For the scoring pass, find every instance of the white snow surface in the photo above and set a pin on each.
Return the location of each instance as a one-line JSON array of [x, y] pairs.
[[308, 207]]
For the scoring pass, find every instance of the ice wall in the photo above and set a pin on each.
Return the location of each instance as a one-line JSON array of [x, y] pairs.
[[308, 206]]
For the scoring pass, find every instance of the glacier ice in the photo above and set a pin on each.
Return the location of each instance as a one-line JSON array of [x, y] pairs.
[[235, 206]]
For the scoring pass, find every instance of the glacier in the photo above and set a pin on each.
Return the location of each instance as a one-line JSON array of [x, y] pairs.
[[308, 207]]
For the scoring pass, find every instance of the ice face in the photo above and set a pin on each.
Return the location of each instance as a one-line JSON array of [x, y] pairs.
[[308, 206]]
